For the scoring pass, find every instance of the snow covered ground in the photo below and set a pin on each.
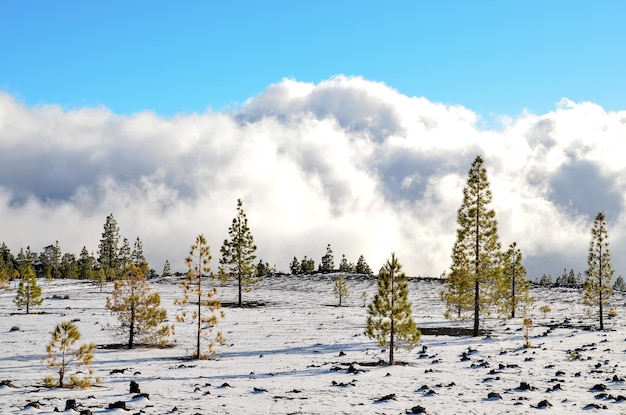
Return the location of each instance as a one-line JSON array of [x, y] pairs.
[[300, 354]]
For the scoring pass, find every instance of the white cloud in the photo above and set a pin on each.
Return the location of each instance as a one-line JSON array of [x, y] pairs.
[[348, 162]]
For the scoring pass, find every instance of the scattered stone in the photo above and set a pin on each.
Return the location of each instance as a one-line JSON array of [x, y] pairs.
[[34, 404], [617, 379], [70, 404], [118, 405], [620, 398], [594, 406], [354, 370], [560, 373], [259, 390], [390, 397], [7, 383], [114, 371], [416, 410], [494, 396], [134, 387], [544, 404], [85, 412], [524, 386], [599, 387], [144, 395]]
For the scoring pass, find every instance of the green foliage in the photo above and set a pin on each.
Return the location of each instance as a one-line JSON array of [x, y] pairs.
[[328, 263], [545, 280], [477, 248], [137, 309], [263, 269], [237, 260], [198, 264], [108, 248], [307, 266], [28, 292], [345, 266], [458, 292], [527, 325], [389, 318], [597, 287], [362, 267], [340, 289], [569, 279], [294, 267], [619, 285], [138, 259], [124, 256], [514, 289], [61, 354], [167, 270], [86, 265]]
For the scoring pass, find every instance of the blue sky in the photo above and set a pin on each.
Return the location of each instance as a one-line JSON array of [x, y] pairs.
[[494, 57]]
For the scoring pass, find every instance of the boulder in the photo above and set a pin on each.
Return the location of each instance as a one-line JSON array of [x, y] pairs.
[[134, 387], [493, 396], [70, 404]]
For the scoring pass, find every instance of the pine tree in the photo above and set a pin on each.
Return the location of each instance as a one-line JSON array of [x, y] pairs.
[[124, 256], [458, 294], [28, 292], [345, 266], [545, 280], [597, 287], [138, 259], [477, 243], [61, 355], [389, 318], [341, 288], [86, 265], [328, 263], [198, 263], [137, 309], [167, 271], [69, 266], [362, 267], [514, 288], [619, 285], [294, 267], [237, 261], [307, 265], [108, 248]]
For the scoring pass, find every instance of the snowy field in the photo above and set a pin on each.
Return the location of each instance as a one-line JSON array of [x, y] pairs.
[[300, 354]]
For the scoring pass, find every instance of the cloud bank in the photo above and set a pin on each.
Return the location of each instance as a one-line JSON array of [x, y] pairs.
[[347, 161]]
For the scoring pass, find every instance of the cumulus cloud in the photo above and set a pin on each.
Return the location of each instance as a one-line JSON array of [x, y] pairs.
[[347, 161]]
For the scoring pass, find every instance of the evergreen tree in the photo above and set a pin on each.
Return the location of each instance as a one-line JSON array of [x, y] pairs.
[[477, 241], [307, 265], [345, 266], [294, 267], [108, 248], [86, 265], [237, 261], [124, 256], [597, 287], [362, 267], [61, 355], [198, 263], [328, 263], [28, 292], [167, 271], [263, 269], [138, 259], [619, 285], [515, 289], [389, 318], [341, 288], [69, 266], [137, 309], [458, 294], [545, 280]]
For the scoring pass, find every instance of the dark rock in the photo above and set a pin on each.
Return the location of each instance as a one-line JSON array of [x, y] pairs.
[[134, 387], [617, 379], [225, 385], [494, 396], [544, 404], [70, 404], [118, 405], [259, 390], [620, 398], [599, 387], [592, 406], [416, 410], [390, 397], [354, 370], [7, 383], [142, 395], [341, 353], [35, 405], [85, 412], [524, 386], [114, 371], [560, 373]]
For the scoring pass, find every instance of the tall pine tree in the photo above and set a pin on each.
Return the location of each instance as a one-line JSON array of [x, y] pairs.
[[597, 287], [477, 248], [514, 288], [28, 292], [198, 264], [389, 320], [108, 249], [237, 261]]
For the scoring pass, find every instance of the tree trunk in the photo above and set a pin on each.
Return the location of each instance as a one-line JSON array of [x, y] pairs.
[[131, 336], [391, 341], [240, 281], [476, 308], [513, 297]]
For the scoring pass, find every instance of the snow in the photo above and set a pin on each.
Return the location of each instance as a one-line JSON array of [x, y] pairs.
[[284, 357]]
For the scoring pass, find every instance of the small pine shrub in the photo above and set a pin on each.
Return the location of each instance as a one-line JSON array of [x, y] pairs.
[[612, 312], [15, 328], [574, 355], [545, 309]]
